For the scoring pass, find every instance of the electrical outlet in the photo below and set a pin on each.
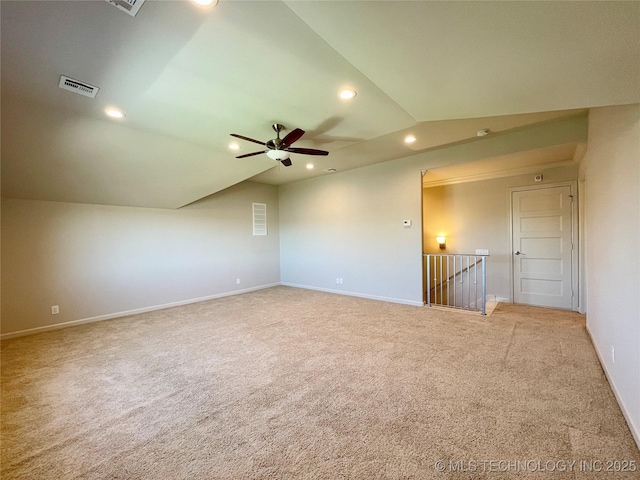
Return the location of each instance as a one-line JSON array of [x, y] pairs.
[[339, 281], [55, 310], [237, 281], [613, 353]]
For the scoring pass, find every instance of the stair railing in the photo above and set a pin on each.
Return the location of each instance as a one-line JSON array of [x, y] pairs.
[[456, 281]]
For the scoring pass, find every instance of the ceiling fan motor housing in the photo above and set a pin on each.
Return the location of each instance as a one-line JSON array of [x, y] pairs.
[[274, 144]]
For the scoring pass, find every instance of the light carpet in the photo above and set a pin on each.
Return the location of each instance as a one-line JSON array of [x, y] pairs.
[[285, 383]]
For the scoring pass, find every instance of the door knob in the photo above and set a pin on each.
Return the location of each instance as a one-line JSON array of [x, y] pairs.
[[518, 252]]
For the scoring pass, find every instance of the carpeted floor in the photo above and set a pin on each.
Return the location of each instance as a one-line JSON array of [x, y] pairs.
[[285, 383]]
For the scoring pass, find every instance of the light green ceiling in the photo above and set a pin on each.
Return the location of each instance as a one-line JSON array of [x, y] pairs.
[[187, 77]]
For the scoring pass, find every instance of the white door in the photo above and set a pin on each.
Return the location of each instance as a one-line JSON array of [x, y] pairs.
[[542, 246]]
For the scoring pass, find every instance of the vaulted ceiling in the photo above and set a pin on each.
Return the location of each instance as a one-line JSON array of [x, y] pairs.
[[187, 76]]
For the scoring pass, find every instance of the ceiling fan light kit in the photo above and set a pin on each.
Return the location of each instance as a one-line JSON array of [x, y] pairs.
[[277, 154], [280, 149]]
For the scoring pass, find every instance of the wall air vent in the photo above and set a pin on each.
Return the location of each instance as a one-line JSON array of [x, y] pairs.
[[259, 218], [75, 86], [128, 6]]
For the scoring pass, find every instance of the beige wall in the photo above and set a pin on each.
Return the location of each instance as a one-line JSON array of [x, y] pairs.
[[477, 215], [349, 224], [100, 261], [611, 171]]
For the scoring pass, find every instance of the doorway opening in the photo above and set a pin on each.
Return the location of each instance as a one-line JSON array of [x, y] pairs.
[[477, 217]]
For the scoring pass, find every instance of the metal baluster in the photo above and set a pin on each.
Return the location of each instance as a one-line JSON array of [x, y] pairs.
[[435, 279], [441, 281], [475, 284], [454, 280], [439, 284], [462, 280], [428, 281], [484, 286]]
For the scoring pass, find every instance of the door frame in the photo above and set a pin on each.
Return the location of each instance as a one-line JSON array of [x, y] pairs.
[[575, 267]]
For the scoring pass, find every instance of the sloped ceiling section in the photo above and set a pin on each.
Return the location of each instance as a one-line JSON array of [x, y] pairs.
[[450, 60], [186, 77]]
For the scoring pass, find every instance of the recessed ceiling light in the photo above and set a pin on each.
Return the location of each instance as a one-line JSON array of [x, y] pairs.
[[203, 2], [482, 133], [331, 170], [114, 113], [234, 146], [309, 166], [348, 94], [409, 139]]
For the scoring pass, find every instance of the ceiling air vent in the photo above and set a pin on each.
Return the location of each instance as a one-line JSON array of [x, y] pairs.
[[128, 6], [75, 86]]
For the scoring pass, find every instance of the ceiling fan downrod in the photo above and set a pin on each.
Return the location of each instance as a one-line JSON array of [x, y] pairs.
[[276, 143]]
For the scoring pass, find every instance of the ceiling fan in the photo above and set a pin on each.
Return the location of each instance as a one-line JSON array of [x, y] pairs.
[[280, 148]]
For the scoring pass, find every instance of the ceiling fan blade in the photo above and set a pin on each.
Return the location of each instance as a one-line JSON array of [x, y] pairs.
[[247, 139], [251, 154], [307, 151], [291, 137], [286, 162]]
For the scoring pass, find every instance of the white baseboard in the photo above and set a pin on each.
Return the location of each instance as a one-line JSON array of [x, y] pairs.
[[355, 294], [492, 298], [110, 316], [635, 431]]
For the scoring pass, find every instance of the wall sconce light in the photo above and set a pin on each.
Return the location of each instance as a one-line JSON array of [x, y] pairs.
[[442, 242]]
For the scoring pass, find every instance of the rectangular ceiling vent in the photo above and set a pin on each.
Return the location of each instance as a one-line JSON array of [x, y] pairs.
[[80, 88], [128, 6]]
